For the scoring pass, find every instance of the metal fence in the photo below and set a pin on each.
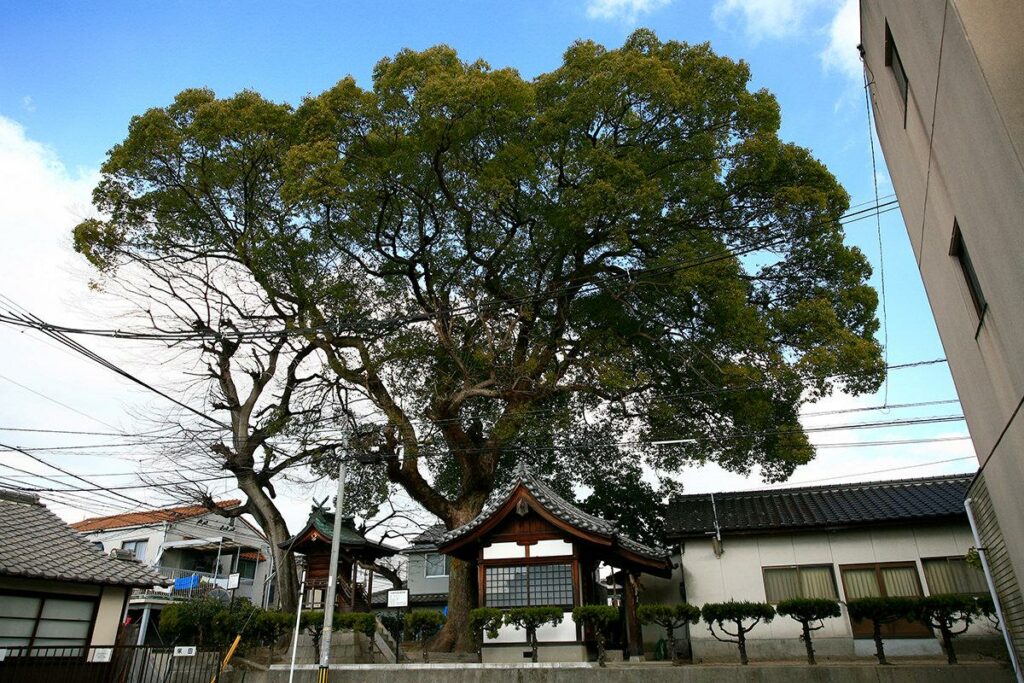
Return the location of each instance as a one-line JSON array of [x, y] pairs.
[[118, 664]]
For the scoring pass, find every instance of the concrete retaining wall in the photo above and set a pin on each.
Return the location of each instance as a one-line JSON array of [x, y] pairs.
[[646, 673]]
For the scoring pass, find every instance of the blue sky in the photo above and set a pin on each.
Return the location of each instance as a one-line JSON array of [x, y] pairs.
[[74, 73]]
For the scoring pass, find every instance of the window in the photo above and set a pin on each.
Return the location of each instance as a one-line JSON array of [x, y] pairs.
[[893, 61], [41, 621], [98, 545], [529, 585], [437, 564], [953, 575], [958, 250], [247, 569], [894, 579], [137, 547], [784, 583]]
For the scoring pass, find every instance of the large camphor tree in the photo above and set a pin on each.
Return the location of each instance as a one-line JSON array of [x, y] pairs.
[[561, 269]]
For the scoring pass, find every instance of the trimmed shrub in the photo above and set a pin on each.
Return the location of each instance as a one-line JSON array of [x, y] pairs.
[[357, 622], [312, 623], [881, 611], [532, 618], [987, 607], [266, 628], [423, 624], [598, 618], [203, 621], [484, 620], [943, 613], [745, 616], [807, 611], [670, 618]]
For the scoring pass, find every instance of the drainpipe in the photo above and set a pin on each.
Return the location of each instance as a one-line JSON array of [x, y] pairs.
[[983, 555]]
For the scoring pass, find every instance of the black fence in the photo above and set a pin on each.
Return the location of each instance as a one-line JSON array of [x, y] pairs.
[[117, 664]]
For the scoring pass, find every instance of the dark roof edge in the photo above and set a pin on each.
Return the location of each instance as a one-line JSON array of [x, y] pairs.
[[820, 528], [784, 490]]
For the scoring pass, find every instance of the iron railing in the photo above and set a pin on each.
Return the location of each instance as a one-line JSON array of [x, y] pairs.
[[114, 664]]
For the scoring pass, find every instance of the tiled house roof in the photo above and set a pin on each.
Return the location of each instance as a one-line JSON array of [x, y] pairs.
[[36, 544], [816, 507], [149, 517], [323, 523], [427, 540], [557, 506]]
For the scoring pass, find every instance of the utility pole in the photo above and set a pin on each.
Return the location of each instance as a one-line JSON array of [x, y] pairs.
[[332, 581]]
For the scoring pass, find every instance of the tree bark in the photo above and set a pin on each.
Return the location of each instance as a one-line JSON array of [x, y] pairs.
[[879, 648], [741, 640], [947, 644], [270, 520], [455, 635], [807, 642]]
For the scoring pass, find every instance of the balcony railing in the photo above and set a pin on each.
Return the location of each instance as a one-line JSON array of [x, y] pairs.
[[191, 583]]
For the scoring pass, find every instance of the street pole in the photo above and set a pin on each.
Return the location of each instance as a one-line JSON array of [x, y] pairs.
[[332, 581]]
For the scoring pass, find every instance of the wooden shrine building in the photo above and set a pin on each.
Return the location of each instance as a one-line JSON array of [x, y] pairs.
[[355, 561], [532, 547]]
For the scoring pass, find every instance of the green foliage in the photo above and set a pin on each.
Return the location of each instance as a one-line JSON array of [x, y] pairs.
[[201, 621], [742, 616], [598, 617], [881, 610], [737, 611], [808, 609], [486, 620], [394, 623], [669, 617], [950, 615], [423, 623], [358, 622], [528, 618]]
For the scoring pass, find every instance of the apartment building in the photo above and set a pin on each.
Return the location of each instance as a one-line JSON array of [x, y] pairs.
[[948, 104]]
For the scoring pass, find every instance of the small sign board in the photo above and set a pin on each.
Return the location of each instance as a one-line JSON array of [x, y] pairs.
[[233, 581], [398, 598], [102, 654], [185, 651]]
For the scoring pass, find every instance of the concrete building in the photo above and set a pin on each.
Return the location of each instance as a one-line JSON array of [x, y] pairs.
[[948, 103], [841, 542]]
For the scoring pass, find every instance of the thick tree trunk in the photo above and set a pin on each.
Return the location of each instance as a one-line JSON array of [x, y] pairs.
[[456, 635], [270, 520]]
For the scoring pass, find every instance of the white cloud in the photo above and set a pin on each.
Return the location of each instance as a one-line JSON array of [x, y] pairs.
[[623, 10], [761, 19], [28, 104], [843, 36]]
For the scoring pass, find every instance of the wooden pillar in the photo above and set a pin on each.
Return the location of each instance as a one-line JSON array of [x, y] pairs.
[[369, 591], [634, 636], [355, 574]]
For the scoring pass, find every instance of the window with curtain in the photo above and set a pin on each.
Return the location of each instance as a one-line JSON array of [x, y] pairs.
[[952, 575], [803, 581], [895, 579], [247, 569], [137, 547], [437, 564], [45, 622], [529, 585]]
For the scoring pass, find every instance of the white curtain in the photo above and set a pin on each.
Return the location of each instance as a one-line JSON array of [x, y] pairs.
[[817, 582], [781, 584], [901, 582], [861, 583]]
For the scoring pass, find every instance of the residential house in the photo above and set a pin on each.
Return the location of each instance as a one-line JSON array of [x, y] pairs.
[[59, 595], [196, 548], [427, 572], [897, 538], [948, 104]]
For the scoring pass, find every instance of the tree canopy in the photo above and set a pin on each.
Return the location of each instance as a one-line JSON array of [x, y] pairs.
[[475, 268]]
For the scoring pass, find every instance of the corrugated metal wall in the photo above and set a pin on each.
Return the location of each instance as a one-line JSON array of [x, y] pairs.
[[999, 562]]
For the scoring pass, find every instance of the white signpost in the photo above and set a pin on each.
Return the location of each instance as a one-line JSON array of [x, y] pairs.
[[185, 651], [102, 654], [233, 580], [398, 598]]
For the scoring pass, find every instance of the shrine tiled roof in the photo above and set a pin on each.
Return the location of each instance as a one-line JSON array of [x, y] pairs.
[[559, 507], [819, 507]]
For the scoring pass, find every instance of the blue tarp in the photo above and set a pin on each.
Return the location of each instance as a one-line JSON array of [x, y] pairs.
[[186, 582]]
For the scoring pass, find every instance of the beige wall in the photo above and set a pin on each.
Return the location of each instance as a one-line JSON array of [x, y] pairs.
[[736, 575], [960, 157], [108, 613]]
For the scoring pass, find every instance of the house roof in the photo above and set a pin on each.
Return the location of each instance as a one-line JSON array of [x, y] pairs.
[[427, 540], [132, 519], [556, 506], [36, 544], [816, 507]]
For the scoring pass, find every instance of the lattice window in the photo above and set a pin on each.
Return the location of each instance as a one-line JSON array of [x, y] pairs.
[[529, 585]]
